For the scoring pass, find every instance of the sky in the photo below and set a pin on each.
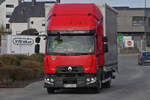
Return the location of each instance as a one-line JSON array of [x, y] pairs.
[[130, 3]]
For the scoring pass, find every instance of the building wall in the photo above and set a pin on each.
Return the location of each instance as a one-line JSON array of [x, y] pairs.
[[48, 6], [2, 14], [128, 26], [148, 21], [17, 28], [37, 23], [124, 21], [6, 9]]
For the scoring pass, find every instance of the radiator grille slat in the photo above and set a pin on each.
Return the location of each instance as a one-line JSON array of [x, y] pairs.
[[69, 69]]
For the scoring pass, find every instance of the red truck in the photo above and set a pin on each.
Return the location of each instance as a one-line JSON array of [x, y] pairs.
[[81, 47]]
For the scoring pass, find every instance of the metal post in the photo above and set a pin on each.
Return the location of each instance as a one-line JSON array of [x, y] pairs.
[[145, 14]]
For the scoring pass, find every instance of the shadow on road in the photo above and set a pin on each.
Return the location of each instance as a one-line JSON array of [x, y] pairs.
[[78, 91]]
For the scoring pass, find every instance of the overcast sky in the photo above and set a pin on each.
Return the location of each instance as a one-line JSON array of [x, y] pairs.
[[131, 3]]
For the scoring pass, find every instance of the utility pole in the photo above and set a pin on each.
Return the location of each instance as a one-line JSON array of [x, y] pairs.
[[145, 19]]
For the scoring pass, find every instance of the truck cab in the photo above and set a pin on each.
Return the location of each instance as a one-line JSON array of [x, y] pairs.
[[75, 48]]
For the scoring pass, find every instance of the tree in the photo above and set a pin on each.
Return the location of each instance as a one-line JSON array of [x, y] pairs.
[[30, 32], [2, 31]]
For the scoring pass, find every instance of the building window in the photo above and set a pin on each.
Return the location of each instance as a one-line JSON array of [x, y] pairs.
[[8, 16], [43, 24], [7, 26], [9, 6], [138, 20], [148, 40], [32, 22]]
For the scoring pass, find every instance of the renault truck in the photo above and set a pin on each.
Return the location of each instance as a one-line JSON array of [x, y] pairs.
[[81, 47]]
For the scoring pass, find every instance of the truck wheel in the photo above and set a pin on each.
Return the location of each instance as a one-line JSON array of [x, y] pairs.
[[50, 90], [107, 84], [97, 89], [140, 63]]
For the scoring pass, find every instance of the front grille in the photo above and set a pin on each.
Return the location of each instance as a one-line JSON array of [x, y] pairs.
[[70, 81], [69, 69]]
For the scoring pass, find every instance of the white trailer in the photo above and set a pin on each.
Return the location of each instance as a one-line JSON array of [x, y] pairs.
[[110, 31], [20, 44]]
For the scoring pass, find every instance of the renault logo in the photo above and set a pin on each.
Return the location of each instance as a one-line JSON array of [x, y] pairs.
[[69, 68]]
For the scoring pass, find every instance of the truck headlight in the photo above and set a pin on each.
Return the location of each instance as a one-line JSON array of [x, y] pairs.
[[91, 80], [88, 79], [49, 81]]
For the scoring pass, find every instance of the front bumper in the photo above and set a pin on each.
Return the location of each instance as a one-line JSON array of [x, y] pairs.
[[77, 81]]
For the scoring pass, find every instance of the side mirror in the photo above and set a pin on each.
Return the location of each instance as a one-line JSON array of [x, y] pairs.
[[37, 48], [37, 40], [105, 44], [45, 37]]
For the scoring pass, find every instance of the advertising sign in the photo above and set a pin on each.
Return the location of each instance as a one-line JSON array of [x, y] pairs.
[[23, 41]]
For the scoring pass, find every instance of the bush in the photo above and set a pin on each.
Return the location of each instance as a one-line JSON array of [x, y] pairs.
[[13, 74], [9, 60], [1, 64], [30, 32], [14, 68], [2, 31], [37, 67], [22, 74], [5, 73], [15, 60], [21, 57], [37, 57], [31, 64]]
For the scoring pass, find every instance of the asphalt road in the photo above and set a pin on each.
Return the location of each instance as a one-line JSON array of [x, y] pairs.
[[132, 83]]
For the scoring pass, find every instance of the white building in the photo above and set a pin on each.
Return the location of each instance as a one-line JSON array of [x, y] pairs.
[[29, 15], [6, 9]]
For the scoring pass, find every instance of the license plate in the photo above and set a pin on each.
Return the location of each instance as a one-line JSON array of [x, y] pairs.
[[70, 85]]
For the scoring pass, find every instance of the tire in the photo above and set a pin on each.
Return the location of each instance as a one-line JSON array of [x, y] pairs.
[[140, 63], [107, 84], [99, 85], [99, 82], [50, 90]]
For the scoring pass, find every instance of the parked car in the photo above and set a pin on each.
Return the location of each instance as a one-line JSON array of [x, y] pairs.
[[143, 57]]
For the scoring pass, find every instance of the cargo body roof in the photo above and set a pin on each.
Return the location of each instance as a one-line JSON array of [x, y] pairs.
[[76, 9], [74, 17]]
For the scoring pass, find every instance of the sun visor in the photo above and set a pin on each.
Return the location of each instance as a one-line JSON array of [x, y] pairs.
[[90, 32]]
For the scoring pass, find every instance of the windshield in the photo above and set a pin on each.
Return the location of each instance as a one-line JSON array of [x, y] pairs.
[[70, 45]]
